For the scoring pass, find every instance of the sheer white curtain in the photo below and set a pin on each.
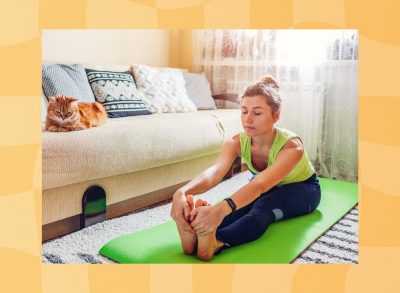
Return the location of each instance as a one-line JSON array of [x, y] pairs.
[[317, 72]]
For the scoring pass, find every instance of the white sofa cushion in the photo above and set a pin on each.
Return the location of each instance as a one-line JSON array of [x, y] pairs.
[[134, 143], [164, 88]]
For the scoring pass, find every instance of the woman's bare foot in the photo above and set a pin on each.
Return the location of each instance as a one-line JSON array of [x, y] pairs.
[[189, 238], [207, 246]]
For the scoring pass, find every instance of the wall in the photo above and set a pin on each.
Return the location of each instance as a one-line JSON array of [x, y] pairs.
[[186, 53], [181, 49], [150, 47]]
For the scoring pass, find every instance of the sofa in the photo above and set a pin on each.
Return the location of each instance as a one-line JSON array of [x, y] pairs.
[[138, 160]]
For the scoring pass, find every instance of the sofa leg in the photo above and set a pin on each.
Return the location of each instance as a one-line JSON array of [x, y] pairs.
[[93, 206]]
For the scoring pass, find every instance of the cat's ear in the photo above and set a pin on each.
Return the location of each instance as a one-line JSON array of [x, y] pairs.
[[52, 99], [73, 102]]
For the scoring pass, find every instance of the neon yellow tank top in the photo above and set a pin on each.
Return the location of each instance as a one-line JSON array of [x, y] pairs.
[[303, 169]]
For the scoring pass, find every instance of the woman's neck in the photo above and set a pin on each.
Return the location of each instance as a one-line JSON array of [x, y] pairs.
[[266, 139]]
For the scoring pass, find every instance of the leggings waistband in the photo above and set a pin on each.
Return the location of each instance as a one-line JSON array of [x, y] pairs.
[[313, 178]]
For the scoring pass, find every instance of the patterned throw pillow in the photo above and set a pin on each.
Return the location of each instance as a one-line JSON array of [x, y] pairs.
[[198, 90], [69, 80], [164, 88], [117, 92]]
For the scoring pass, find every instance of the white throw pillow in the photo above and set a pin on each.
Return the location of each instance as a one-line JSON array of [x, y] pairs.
[[163, 88]]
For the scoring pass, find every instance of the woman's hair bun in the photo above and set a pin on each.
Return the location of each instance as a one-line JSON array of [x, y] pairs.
[[268, 80]]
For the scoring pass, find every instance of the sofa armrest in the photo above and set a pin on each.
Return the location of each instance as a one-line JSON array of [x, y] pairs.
[[227, 101], [227, 97]]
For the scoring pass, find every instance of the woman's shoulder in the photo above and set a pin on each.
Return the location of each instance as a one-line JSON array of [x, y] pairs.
[[237, 139], [290, 139], [294, 143], [234, 143]]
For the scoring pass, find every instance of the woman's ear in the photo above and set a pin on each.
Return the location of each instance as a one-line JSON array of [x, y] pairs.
[[276, 116]]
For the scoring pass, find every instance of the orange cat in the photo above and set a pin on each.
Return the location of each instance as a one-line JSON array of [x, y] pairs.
[[66, 114]]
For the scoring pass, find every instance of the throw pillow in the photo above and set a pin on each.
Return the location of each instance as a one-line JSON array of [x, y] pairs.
[[198, 90], [117, 92], [69, 80], [164, 88]]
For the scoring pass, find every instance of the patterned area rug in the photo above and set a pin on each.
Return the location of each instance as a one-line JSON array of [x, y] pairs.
[[338, 245]]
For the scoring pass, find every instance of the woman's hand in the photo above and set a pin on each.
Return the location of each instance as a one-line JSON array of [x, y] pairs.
[[206, 219], [180, 210]]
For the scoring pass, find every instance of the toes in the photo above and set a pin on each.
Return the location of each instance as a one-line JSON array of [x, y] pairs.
[[189, 199], [199, 203]]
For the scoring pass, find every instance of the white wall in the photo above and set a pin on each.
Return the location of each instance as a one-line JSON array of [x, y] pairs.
[[150, 47]]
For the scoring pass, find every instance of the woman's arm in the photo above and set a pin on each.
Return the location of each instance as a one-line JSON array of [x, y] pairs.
[[180, 210], [214, 174]]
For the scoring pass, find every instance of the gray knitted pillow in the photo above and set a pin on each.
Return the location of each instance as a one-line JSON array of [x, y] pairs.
[[198, 90], [69, 80], [45, 103]]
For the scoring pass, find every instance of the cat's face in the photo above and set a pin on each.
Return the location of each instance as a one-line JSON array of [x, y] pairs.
[[63, 109]]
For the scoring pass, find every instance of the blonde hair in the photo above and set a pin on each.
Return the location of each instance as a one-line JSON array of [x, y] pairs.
[[267, 87]]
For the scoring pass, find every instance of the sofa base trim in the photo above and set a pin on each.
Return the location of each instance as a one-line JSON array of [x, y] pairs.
[[72, 224], [61, 227]]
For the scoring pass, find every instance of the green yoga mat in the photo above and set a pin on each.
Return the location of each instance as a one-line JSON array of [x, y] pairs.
[[281, 243]]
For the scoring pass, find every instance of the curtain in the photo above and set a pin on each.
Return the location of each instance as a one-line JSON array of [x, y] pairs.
[[317, 71]]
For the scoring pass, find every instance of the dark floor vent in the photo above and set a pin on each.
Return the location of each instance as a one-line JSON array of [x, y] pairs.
[[93, 206]]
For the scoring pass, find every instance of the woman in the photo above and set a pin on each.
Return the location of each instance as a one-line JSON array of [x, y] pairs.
[[284, 184]]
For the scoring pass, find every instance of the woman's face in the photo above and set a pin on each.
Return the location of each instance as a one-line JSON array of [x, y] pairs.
[[257, 118]]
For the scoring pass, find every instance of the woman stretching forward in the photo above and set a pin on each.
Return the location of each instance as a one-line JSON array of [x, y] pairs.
[[284, 183]]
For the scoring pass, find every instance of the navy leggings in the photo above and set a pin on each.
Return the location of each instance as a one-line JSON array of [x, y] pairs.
[[280, 202]]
